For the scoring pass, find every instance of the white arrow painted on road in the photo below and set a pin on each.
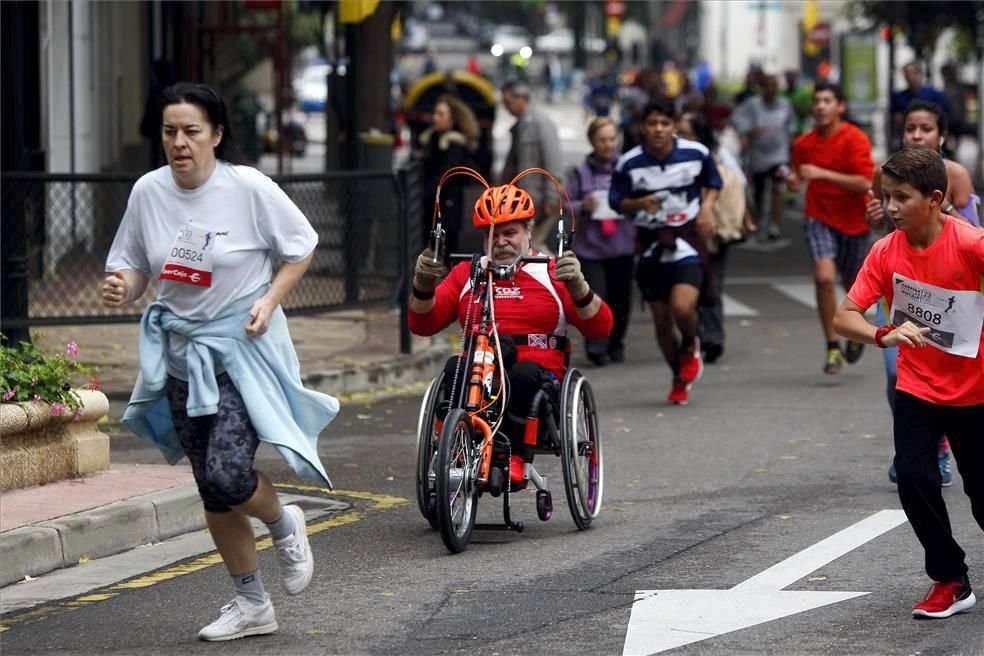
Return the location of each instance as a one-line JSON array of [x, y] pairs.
[[664, 619]]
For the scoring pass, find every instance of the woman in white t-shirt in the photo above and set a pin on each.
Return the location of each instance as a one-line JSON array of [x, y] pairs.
[[206, 229]]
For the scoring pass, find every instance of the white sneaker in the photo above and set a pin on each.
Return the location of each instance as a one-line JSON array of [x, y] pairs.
[[240, 618], [294, 553]]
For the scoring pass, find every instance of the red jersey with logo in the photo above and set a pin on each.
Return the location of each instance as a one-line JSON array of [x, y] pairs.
[[534, 303], [955, 261], [848, 151]]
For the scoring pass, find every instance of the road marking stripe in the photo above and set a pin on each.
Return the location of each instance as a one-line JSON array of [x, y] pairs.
[[380, 502], [803, 293], [666, 619], [735, 308], [828, 550]]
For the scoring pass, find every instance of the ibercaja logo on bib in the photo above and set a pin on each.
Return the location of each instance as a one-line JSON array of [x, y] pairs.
[[186, 275], [190, 258]]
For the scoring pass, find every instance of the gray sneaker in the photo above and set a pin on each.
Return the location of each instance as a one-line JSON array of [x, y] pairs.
[[240, 618], [294, 553]]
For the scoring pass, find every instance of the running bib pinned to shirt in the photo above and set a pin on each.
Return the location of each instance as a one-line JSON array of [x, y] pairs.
[[190, 258], [954, 318], [674, 210]]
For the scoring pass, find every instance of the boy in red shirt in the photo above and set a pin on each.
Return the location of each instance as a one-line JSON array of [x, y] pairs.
[[931, 272], [835, 159]]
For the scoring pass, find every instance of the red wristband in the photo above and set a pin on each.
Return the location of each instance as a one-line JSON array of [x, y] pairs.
[[880, 335]]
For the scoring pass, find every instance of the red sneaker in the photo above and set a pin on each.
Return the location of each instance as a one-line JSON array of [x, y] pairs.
[[679, 393], [691, 363], [945, 599], [517, 470]]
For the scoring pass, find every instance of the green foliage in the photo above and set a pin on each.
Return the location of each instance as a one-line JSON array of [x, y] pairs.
[[28, 375], [303, 28], [921, 22]]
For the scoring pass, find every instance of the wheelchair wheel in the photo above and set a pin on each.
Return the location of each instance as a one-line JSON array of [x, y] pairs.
[[581, 455], [456, 481], [426, 448]]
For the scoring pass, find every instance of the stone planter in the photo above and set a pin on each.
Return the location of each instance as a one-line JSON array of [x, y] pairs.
[[37, 448]]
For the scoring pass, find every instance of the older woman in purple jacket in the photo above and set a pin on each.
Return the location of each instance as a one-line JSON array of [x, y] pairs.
[[605, 240]]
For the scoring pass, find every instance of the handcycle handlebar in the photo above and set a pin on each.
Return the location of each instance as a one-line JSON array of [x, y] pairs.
[[499, 271], [531, 259]]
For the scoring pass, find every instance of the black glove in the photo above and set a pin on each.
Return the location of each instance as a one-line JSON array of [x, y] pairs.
[[568, 271], [428, 273]]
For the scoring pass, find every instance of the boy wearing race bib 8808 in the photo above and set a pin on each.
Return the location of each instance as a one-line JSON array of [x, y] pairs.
[[931, 272]]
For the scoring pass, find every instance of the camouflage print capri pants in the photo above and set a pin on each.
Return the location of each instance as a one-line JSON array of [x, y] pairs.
[[221, 447]]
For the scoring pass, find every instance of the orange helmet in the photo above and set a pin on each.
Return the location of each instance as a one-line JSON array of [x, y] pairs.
[[502, 204]]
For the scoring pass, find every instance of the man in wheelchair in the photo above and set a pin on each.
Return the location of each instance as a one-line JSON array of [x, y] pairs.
[[534, 304]]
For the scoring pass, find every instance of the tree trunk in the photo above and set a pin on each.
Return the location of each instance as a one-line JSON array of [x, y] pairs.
[[372, 56]]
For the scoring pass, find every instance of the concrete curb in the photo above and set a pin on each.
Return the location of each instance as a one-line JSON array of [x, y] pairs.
[[41, 548], [398, 371], [47, 546], [352, 379]]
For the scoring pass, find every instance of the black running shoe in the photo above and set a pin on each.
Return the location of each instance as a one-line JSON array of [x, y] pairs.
[[854, 351]]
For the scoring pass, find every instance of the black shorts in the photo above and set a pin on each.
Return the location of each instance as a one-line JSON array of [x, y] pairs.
[[656, 279], [774, 173], [220, 447]]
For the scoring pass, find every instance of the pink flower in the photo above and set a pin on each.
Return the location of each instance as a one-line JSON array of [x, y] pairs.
[[34, 381], [72, 350], [57, 409], [36, 399], [77, 416], [9, 394]]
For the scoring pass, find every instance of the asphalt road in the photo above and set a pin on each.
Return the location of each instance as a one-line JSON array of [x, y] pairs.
[[770, 458]]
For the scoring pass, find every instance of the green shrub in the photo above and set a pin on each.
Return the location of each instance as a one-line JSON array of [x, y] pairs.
[[28, 375]]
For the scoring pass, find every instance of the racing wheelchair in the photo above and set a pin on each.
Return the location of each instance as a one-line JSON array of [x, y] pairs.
[[464, 455]]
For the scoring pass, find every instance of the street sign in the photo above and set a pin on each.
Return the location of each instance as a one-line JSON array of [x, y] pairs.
[[819, 34], [666, 619], [615, 8]]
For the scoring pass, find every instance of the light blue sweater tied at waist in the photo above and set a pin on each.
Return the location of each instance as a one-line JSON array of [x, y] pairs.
[[264, 369]]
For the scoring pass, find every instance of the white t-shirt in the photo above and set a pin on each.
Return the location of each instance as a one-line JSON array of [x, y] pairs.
[[244, 216], [774, 123]]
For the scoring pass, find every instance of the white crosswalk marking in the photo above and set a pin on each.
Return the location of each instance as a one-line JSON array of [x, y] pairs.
[[735, 308], [795, 288], [803, 293]]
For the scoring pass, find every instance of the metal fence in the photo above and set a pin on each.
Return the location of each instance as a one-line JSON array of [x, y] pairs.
[[60, 229]]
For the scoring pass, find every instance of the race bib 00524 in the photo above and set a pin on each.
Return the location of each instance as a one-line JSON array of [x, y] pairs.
[[954, 318], [190, 258]]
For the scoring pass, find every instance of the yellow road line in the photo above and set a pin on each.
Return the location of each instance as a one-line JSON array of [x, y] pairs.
[[379, 501]]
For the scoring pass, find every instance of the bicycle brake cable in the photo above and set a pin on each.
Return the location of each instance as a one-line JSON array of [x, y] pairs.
[[472, 280]]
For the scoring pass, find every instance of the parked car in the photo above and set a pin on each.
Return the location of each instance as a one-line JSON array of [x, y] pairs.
[[562, 41], [311, 88], [508, 39]]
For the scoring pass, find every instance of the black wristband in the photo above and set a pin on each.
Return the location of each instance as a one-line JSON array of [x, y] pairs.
[[585, 300], [422, 295]]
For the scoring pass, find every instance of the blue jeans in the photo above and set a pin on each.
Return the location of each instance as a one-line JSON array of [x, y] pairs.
[[890, 355]]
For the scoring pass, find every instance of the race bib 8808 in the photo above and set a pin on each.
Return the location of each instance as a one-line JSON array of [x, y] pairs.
[[954, 318]]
